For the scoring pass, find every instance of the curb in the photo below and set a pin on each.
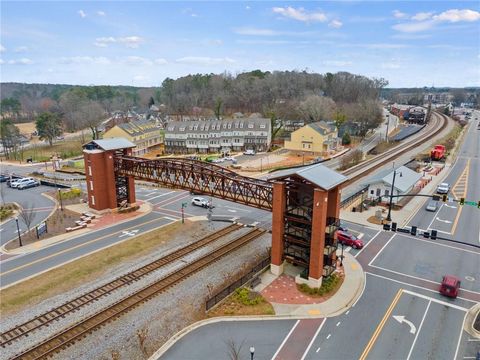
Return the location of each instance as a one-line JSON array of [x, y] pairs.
[[470, 319], [189, 328], [10, 252]]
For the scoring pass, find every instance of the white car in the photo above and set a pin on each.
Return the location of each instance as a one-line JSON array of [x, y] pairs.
[[217, 161], [229, 158], [249, 152], [28, 184], [199, 201], [16, 183], [443, 188]]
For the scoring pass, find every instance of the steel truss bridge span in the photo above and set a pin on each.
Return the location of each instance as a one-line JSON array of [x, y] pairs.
[[198, 176]]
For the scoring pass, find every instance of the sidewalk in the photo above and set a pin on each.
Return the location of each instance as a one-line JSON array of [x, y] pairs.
[[346, 296], [101, 222], [403, 216]]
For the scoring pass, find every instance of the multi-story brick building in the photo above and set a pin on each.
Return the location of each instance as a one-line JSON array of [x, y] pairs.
[[213, 136]]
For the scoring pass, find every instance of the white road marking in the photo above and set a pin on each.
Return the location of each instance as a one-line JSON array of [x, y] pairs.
[[374, 236], [170, 192], [313, 339], [444, 221], [383, 247], [285, 340], [235, 208], [347, 312], [451, 207], [328, 336], [338, 323], [460, 337], [401, 319], [418, 332], [129, 233], [473, 339], [232, 211], [434, 216], [170, 218]]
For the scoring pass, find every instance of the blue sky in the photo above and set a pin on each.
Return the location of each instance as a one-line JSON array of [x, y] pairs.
[[410, 43]]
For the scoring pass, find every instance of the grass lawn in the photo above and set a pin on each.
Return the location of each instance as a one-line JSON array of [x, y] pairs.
[[89, 268]]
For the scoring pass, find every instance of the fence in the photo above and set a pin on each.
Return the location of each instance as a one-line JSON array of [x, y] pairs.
[[232, 287], [352, 198]]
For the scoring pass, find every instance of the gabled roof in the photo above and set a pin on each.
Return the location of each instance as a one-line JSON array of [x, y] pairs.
[[108, 144], [322, 127], [403, 182], [318, 174], [138, 127]]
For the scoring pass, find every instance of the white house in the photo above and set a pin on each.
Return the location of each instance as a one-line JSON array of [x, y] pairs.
[[381, 185]]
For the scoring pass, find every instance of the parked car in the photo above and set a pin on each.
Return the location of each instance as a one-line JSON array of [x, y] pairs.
[[432, 205], [217, 161], [28, 184], [229, 158], [4, 178], [199, 201], [249, 152], [16, 183], [450, 286], [443, 188], [349, 239]]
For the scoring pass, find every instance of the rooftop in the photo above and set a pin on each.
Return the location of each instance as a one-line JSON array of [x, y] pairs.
[[108, 144]]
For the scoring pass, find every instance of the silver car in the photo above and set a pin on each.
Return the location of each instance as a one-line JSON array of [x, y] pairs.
[[432, 205]]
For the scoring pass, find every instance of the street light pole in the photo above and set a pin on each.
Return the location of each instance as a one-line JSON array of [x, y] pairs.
[[60, 198], [341, 256], [388, 123], [18, 231], [389, 216]]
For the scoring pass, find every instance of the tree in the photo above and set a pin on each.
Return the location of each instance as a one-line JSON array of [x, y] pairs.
[[151, 102], [316, 108], [339, 118], [9, 136], [27, 214], [346, 139], [49, 126], [11, 107], [218, 108], [90, 114]]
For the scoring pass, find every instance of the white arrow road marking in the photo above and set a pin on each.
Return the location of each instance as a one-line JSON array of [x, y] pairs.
[[129, 233], [444, 221], [451, 207], [401, 319], [234, 211]]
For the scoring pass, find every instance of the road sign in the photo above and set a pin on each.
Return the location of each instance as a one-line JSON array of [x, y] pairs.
[[473, 203]]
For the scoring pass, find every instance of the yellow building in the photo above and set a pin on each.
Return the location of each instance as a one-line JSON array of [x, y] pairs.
[[318, 138], [142, 133]]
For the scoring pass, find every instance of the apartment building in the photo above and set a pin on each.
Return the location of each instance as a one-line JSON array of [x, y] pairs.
[[216, 136]]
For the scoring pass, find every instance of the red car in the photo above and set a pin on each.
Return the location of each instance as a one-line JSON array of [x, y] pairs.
[[450, 286], [348, 239]]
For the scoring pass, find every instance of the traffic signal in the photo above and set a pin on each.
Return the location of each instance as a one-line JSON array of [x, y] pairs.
[[413, 231], [436, 197], [394, 226], [462, 201], [478, 204], [386, 226], [444, 198], [433, 235]]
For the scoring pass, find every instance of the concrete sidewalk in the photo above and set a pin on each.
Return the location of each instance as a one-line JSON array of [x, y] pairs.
[[101, 222], [403, 216], [346, 296]]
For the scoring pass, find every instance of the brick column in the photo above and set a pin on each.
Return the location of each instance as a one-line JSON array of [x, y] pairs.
[[100, 180], [317, 242], [278, 227], [333, 209], [130, 181]]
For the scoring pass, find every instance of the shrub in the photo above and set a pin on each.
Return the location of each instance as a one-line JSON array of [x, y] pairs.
[[328, 285], [71, 194], [247, 297], [346, 139]]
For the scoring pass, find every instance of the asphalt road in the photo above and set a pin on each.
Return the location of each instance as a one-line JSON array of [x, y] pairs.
[[28, 198]]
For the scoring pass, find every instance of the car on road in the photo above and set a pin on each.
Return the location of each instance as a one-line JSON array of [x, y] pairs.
[[28, 184], [349, 239], [217, 161], [443, 188], [199, 201], [4, 178], [229, 158], [450, 286], [16, 183], [249, 152], [432, 205]]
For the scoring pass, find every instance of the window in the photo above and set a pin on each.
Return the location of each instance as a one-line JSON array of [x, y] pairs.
[[89, 170], [378, 192], [372, 192], [241, 125], [93, 200], [171, 128], [182, 129], [262, 126], [229, 126], [91, 185], [387, 192], [250, 126]]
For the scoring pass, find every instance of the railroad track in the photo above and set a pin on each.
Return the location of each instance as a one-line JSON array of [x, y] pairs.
[[61, 311], [82, 328], [368, 166]]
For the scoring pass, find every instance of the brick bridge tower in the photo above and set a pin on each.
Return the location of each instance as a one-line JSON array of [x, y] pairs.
[[106, 189], [306, 208]]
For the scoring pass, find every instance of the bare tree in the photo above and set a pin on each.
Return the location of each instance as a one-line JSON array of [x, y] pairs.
[[316, 108], [27, 214], [142, 337], [2, 193], [234, 349]]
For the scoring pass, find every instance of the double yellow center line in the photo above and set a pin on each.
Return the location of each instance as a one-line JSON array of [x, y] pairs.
[[381, 325]]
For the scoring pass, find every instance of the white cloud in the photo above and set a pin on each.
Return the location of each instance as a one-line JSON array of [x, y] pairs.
[[247, 7], [399, 15], [2, 62], [426, 21], [98, 60], [422, 16], [81, 13], [455, 15], [22, 61], [101, 13], [414, 27], [204, 60], [129, 41], [256, 31], [300, 14], [337, 63], [190, 12], [21, 49], [138, 60], [335, 24], [160, 61], [2, 48]]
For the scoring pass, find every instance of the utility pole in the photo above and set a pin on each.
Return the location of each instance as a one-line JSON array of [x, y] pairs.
[[184, 205], [389, 216]]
